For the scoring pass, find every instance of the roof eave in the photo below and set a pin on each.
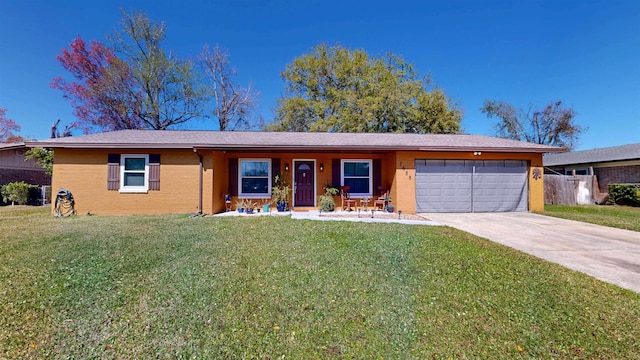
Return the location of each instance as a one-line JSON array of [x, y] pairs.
[[56, 145], [12, 146], [341, 148]]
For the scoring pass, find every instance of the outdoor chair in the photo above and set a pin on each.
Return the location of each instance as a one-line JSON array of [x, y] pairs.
[[347, 201], [381, 201], [227, 201]]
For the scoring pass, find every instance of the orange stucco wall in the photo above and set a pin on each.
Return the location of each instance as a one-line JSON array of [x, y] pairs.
[[536, 183], [404, 183], [84, 173], [219, 182], [323, 178]]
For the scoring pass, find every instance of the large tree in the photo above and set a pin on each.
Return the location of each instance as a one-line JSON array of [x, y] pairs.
[[232, 104], [552, 125], [342, 90], [104, 94], [133, 84], [168, 89]]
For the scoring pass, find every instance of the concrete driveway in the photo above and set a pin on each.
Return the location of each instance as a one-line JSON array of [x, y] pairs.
[[608, 254]]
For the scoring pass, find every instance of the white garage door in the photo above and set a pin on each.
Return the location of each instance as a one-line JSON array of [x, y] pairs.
[[471, 186]]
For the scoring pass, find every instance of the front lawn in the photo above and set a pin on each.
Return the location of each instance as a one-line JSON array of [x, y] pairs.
[[622, 217], [273, 287]]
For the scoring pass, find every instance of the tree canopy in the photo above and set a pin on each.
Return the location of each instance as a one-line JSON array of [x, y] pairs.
[[134, 83], [8, 127], [167, 92], [342, 90], [552, 125], [104, 94]]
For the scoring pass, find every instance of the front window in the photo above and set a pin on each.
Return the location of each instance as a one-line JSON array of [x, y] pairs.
[[357, 174], [134, 173], [255, 177]]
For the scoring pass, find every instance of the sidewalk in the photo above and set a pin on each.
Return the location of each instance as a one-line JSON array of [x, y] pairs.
[[339, 216]]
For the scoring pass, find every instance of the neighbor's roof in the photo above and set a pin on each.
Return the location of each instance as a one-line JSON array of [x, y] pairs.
[[288, 141], [5, 146], [616, 153]]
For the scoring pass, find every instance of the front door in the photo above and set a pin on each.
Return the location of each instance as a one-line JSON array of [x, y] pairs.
[[304, 183]]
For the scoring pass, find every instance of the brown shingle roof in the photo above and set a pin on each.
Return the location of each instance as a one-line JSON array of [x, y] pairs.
[[236, 140]]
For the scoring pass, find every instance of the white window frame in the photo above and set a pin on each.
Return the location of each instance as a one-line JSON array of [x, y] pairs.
[[569, 171], [134, 189], [253, 195], [370, 161]]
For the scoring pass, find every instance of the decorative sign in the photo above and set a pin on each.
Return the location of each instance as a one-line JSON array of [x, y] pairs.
[[537, 173]]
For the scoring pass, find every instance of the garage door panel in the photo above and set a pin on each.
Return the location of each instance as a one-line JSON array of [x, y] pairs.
[[466, 186], [500, 186], [447, 184]]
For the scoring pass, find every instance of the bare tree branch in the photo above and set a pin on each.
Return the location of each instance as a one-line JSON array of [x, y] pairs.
[[233, 104], [553, 125]]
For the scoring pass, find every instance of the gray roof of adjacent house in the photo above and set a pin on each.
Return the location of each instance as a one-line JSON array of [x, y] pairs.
[[291, 141], [616, 153], [4, 146]]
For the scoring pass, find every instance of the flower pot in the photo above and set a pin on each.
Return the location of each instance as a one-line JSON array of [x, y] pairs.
[[265, 208], [248, 211], [240, 210], [390, 208], [281, 205]]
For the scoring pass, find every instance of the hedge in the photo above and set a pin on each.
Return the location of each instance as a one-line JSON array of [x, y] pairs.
[[19, 193], [624, 194]]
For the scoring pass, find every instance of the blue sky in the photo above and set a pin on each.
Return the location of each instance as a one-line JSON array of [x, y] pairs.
[[585, 53]]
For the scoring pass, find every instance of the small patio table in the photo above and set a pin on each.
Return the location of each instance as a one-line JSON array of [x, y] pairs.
[[364, 203]]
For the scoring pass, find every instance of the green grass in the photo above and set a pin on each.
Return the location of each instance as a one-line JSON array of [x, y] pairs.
[[622, 217], [268, 287]]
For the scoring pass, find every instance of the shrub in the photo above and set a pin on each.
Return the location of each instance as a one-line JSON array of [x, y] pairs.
[[327, 203], [281, 189], [18, 192], [624, 194]]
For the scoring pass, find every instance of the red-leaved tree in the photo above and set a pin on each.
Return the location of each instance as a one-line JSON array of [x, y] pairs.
[[7, 128], [104, 94]]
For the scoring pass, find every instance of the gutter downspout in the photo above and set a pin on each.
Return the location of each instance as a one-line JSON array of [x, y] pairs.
[[200, 182]]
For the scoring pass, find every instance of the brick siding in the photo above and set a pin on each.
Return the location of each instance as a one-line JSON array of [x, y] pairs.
[[617, 174]]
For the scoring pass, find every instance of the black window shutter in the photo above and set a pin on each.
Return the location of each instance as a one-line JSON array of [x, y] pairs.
[[154, 172], [335, 173], [275, 169], [113, 172], [377, 175], [233, 177]]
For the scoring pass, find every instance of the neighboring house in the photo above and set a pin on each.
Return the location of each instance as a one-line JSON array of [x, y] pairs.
[[151, 171], [14, 168], [618, 164]]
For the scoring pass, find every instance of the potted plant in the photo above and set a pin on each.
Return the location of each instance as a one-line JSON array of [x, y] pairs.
[[326, 200], [250, 207], [266, 204], [388, 208], [244, 204], [280, 192]]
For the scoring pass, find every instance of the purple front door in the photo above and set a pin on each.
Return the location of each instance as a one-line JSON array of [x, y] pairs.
[[304, 183]]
